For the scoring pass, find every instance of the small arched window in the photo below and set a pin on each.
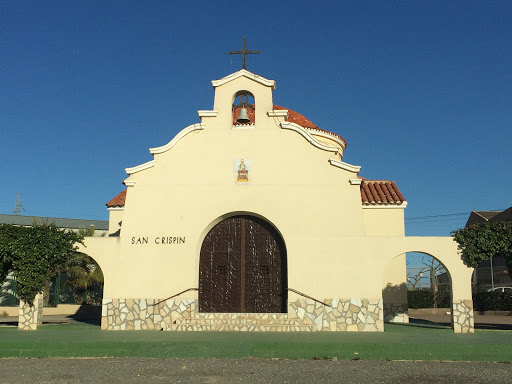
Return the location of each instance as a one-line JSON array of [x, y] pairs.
[[243, 110]]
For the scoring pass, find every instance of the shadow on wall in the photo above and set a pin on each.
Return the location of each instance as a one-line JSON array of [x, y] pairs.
[[395, 294], [394, 299]]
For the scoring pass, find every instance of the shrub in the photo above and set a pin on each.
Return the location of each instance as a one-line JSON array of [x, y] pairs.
[[443, 299], [426, 299], [492, 301], [420, 299]]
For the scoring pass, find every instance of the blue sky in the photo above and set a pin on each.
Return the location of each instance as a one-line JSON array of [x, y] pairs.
[[420, 90]]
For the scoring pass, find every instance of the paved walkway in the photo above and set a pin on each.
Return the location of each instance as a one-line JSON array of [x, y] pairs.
[[495, 322], [63, 319]]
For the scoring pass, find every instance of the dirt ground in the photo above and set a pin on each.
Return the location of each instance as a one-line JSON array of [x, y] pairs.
[[136, 370]]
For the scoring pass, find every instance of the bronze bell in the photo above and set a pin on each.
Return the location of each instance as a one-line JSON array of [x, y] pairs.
[[243, 117]]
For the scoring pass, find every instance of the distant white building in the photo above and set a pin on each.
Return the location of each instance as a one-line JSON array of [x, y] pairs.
[[100, 226]]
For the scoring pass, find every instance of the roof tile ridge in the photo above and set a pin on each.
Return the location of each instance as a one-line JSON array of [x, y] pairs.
[[385, 189], [368, 192], [381, 193], [374, 193], [364, 197], [399, 194], [393, 194]]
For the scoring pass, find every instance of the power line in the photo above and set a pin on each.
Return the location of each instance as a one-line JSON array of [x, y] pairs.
[[446, 215], [436, 216]]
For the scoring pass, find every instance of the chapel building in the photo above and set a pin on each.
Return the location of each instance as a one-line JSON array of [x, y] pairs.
[[251, 220]]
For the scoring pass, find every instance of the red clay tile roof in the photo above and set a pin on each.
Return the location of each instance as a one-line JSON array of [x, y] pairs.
[[293, 117], [297, 118], [380, 192], [117, 201]]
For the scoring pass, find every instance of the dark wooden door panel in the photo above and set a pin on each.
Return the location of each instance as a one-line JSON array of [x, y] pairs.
[[263, 280], [219, 272], [243, 268]]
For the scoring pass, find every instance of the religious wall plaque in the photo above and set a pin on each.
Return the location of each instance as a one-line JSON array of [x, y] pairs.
[[242, 170]]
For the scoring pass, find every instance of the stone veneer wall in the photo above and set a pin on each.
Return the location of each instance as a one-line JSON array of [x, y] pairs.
[[462, 316], [30, 317], [354, 315], [396, 313]]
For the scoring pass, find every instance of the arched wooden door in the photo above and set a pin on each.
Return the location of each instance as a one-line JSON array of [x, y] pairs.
[[242, 268]]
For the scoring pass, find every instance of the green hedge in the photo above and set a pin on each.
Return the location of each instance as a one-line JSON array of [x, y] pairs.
[[482, 301], [492, 301], [427, 299]]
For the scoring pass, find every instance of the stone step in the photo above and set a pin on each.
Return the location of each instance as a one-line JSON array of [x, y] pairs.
[[272, 316], [236, 322], [241, 328], [243, 321]]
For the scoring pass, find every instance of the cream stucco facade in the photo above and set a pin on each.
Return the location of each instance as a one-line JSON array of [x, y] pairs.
[[344, 260]]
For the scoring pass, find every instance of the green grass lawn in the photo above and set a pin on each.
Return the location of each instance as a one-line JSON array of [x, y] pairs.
[[419, 341]]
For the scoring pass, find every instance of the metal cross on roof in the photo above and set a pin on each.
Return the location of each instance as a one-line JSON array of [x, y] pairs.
[[244, 52]]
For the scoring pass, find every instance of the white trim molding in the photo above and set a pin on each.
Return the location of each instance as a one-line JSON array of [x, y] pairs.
[[244, 73], [305, 133], [331, 136], [385, 206], [345, 166], [140, 167], [244, 126], [355, 181], [178, 137], [278, 113], [164, 148], [207, 113], [116, 208], [129, 183]]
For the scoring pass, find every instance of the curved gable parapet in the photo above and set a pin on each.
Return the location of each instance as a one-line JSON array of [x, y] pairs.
[[329, 136], [164, 148], [345, 166], [245, 73], [309, 137], [178, 137], [140, 167]]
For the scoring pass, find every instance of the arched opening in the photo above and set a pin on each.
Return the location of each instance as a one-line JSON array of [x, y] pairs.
[[415, 281], [244, 107], [429, 289], [243, 268], [79, 280], [427, 274]]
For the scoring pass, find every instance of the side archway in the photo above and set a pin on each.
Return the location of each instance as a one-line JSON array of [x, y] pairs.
[[243, 267], [445, 251], [413, 280]]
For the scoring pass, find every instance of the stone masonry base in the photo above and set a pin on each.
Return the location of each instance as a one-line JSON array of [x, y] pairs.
[[395, 313], [30, 317], [462, 316], [304, 315]]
